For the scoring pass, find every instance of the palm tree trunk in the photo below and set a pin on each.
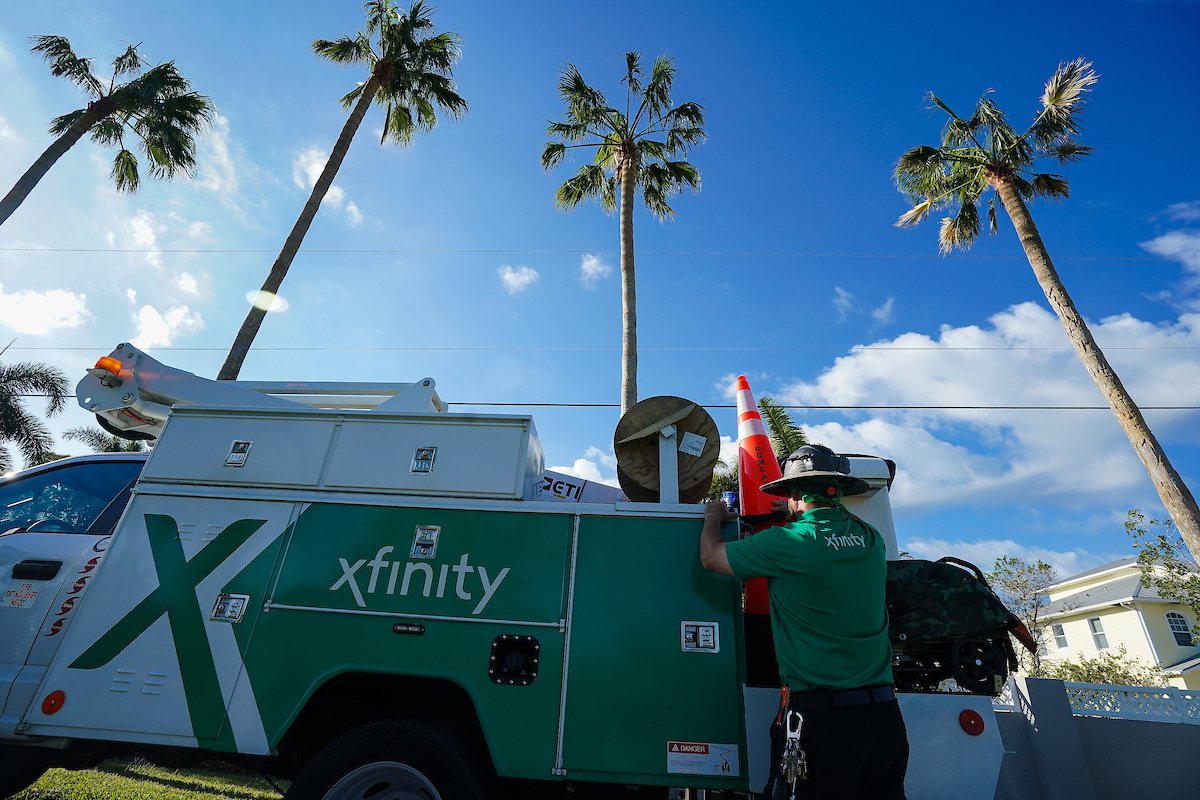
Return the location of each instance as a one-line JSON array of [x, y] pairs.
[[1171, 488], [245, 335], [628, 289], [45, 161]]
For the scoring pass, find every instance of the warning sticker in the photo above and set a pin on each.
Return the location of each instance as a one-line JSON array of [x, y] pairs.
[[692, 444], [702, 758], [21, 594]]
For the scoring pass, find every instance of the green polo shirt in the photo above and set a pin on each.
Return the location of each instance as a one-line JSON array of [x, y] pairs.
[[825, 576]]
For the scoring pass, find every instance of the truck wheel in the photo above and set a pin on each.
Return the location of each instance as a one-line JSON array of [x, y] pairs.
[[392, 760], [15, 784]]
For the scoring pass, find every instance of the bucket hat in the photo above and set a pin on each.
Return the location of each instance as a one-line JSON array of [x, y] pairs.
[[812, 469]]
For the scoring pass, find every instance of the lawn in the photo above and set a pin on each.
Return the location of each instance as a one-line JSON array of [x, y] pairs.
[[136, 779]]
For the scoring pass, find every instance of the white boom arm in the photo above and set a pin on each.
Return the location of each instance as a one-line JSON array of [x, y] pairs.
[[132, 393]]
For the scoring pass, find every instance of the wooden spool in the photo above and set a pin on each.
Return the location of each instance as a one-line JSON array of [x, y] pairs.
[[636, 439]]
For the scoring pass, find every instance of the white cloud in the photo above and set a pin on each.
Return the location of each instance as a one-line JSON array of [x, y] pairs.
[[883, 314], [306, 169], [131, 296], [38, 313], [589, 467], [159, 330], [517, 280], [217, 171], [145, 229], [841, 301], [199, 230], [591, 270], [1067, 457], [187, 282], [984, 553], [1182, 246], [1184, 211], [7, 134]]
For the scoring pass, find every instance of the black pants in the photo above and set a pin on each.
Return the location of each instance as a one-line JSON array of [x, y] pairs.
[[853, 752]]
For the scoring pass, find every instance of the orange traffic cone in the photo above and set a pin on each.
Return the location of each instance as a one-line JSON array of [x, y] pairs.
[[756, 465]]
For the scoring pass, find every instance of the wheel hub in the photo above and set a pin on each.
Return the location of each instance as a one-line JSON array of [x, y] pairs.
[[384, 780]]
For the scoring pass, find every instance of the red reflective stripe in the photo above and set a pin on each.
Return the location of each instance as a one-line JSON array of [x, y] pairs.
[[748, 415]]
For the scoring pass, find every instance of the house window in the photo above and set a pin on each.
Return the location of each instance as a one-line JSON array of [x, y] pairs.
[[1060, 637], [1180, 628], [1098, 633]]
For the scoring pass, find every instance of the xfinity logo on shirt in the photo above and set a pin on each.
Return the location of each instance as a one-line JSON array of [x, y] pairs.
[[417, 577], [838, 542]]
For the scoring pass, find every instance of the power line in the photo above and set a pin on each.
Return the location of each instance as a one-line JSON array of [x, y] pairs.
[[604, 349], [792, 406], [458, 251]]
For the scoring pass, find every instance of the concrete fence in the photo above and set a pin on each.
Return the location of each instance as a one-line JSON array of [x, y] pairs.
[[1083, 741]]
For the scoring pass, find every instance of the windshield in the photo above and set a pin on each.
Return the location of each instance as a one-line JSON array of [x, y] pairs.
[[65, 499]]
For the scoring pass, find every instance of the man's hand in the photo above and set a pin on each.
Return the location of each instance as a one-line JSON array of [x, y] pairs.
[[712, 544], [782, 506], [720, 511]]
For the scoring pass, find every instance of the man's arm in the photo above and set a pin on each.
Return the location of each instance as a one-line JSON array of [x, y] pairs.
[[712, 543]]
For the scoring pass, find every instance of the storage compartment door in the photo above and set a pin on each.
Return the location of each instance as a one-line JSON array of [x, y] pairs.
[[654, 684]]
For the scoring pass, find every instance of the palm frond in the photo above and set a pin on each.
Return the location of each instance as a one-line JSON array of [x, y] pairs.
[[658, 89], [960, 230], [633, 72], [124, 172], [33, 378], [60, 125], [993, 226], [1063, 100], [345, 50], [107, 132], [553, 154], [587, 184], [129, 62], [654, 196], [915, 215], [1069, 151], [1051, 187], [785, 435], [64, 63]]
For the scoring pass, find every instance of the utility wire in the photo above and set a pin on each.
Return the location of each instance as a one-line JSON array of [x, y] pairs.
[[881, 348], [800, 407], [776, 253]]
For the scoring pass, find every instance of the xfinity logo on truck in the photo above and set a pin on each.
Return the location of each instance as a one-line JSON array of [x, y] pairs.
[[390, 577]]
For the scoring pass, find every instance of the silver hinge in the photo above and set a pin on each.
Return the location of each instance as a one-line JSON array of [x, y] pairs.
[[562, 626], [558, 772], [23, 727]]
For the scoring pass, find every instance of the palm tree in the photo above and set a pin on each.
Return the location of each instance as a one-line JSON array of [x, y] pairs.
[[156, 107], [985, 152], [101, 442], [634, 149], [411, 75], [27, 432], [786, 436]]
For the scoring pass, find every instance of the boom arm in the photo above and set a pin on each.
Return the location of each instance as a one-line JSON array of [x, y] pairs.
[[131, 393]]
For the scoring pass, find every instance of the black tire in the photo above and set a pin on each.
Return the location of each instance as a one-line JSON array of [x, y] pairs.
[[15, 784], [976, 665], [393, 759]]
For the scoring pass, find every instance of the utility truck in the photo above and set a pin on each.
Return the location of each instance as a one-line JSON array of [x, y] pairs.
[[355, 589]]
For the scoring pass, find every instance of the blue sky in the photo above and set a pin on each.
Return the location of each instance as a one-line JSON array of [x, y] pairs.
[[808, 107]]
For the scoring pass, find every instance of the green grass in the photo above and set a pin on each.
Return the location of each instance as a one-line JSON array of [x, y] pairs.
[[136, 779]]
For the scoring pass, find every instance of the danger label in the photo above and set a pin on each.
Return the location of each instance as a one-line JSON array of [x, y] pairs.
[[21, 594], [702, 758]]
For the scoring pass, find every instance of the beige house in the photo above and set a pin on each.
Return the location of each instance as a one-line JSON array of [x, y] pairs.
[[1107, 607]]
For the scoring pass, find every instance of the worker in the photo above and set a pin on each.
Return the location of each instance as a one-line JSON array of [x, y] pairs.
[[825, 572]]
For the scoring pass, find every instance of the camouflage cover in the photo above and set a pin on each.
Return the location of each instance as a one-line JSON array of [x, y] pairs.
[[934, 600]]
